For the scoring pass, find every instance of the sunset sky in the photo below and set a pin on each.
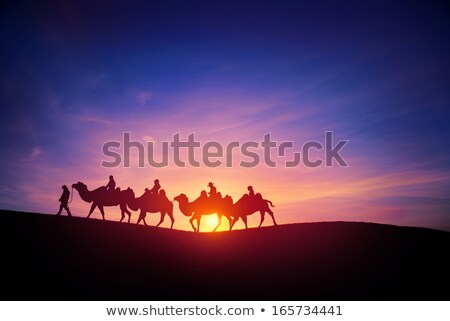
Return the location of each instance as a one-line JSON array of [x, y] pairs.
[[77, 74]]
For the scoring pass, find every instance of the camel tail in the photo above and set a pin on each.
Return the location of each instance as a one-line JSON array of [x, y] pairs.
[[269, 202]]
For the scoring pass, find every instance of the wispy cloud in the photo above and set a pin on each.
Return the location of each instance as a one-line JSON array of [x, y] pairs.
[[144, 97], [86, 118]]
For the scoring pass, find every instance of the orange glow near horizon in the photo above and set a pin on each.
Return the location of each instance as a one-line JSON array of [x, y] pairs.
[[309, 199], [365, 191]]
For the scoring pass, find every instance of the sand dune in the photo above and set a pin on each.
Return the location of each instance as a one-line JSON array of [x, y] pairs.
[[59, 258]]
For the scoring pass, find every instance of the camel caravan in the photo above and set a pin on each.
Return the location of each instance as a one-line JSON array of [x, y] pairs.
[[155, 201]]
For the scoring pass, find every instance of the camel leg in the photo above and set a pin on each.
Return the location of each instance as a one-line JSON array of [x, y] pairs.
[[273, 217], [141, 216], [263, 214], [235, 219], [171, 218], [144, 214], [129, 215], [124, 210], [219, 221], [229, 220], [122, 215], [192, 224], [163, 214], [93, 206], [244, 218], [199, 218], [102, 211]]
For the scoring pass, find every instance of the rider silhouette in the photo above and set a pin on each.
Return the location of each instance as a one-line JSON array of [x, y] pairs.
[[156, 187], [212, 190], [111, 186], [251, 192], [64, 199]]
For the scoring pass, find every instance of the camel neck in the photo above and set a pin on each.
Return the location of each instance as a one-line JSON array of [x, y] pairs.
[[85, 194], [185, 207]]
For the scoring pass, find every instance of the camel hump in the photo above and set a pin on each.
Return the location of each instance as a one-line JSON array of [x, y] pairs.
[[158, 200], [100, 189], [105, 191]]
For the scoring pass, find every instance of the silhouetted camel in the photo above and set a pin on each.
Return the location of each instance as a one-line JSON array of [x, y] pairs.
[[101, 197], [205, 206], [247, 205], [152, 203]]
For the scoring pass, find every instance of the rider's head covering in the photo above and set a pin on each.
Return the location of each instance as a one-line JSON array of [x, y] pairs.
[[210, 184], [250, 187], [156, 180], [64, 187], [110, 177]]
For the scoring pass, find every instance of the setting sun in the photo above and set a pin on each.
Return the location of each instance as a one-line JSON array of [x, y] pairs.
[[209, 222]]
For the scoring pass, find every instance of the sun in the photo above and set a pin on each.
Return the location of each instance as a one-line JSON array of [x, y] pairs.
[[209, 222]]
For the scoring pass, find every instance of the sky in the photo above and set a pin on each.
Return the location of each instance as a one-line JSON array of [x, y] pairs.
[[75, 75]]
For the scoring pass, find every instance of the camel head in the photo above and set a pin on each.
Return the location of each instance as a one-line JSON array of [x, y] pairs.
[[182, 198], [78, 186], [82, 189], [183, 203]]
